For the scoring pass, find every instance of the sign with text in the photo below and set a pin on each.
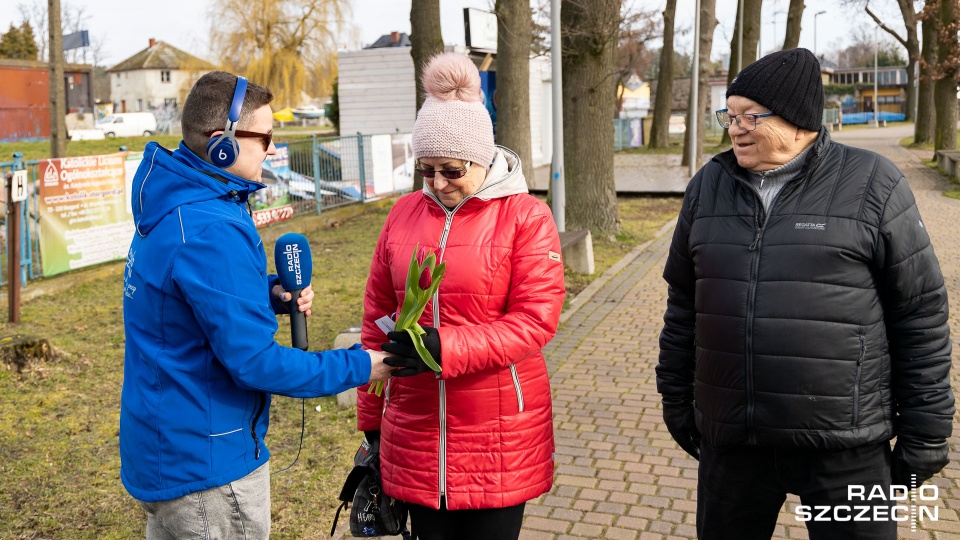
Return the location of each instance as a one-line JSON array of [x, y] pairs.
[[84, 209], [18, 188]]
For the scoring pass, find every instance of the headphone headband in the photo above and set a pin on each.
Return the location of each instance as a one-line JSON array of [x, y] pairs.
[[238, 95]]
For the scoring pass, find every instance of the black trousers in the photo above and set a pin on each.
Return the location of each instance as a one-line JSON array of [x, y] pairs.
[[487, 524], [741, 489]]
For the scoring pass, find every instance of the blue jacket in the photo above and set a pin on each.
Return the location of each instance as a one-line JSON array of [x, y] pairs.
[[201, 360]]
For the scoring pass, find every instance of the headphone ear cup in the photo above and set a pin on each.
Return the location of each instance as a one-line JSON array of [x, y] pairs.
[[222, 151]]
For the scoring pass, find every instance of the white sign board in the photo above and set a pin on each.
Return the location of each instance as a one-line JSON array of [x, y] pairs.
[[19, 186], [480, 29]]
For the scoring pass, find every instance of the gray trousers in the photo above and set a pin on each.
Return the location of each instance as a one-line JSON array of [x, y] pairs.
[[238, 510]]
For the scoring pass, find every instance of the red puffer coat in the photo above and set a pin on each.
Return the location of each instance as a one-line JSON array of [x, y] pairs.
[[480, 434]]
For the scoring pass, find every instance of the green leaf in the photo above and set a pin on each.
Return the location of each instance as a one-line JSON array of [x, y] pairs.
[[416, 334]]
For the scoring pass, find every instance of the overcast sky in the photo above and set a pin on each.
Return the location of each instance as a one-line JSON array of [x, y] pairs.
[[185, 23]]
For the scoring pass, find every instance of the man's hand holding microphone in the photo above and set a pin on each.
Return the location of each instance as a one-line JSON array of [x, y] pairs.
[[295, 268]]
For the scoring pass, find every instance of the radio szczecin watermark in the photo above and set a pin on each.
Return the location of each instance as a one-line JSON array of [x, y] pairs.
[[900, 503]]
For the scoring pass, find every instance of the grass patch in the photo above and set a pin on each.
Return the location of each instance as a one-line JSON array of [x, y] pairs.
[[58, 421], [711, 146]]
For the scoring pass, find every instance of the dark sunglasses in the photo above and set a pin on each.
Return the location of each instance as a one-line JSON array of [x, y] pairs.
[[265, 138], [449, 174]]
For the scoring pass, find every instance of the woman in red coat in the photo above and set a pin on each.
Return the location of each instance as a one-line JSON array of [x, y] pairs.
[[466, 447]]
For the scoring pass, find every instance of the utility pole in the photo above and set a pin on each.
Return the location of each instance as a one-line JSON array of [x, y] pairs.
[[740, 37], [819, 13], [58, 94], [556, 170], [876, 72]]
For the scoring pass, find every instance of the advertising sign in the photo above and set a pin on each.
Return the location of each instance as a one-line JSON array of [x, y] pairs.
[[85, 217], [272, 203]]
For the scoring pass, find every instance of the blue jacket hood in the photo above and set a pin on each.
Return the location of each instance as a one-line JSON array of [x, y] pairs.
[[166, 180]]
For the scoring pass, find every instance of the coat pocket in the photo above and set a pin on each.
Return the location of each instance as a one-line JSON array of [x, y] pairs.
[[856, 381], [516, 386]]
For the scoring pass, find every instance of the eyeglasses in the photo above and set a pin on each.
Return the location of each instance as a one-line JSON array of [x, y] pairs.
[[745, 121], [449, 174], [265, 138]]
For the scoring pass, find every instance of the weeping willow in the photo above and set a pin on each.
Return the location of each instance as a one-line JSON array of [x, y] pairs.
[[287, 45]]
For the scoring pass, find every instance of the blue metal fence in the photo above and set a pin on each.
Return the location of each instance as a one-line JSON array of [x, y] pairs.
[[29, 217]]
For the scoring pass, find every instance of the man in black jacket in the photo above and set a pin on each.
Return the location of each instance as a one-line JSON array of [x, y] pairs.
[[806, 321]]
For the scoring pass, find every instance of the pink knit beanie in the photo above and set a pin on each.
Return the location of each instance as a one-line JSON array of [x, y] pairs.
[[453, 123]]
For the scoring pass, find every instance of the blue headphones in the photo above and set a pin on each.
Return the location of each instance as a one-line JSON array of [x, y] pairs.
[[223, 149]]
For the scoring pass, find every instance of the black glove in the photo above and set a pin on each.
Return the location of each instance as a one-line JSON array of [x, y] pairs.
[[408, 359], [922, 457], [678, 416], [373, 437]]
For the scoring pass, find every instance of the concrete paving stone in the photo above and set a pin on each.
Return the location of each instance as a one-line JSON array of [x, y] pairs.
[[537, 510], [584, 505], [623, 497], [543, 524], [661, 527], [658, 502], [674, 493], [528, 534], [672, 516], [557, 502], [643, 488], [650, 536], [636, 523], [598, 518], [617, 533], [587, 530], [576, 471], [685, 531], [606, 475], [685, 505], [584, 461], [567, 514], [571, 537]]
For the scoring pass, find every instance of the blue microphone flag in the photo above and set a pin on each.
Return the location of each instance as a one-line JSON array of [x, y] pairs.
[[293, 261]]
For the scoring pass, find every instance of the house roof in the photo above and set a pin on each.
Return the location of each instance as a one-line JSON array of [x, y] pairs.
[[161, 55], [393, 39]]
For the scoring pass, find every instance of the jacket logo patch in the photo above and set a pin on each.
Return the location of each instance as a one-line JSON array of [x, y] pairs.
[[553, 256], [810, 226]]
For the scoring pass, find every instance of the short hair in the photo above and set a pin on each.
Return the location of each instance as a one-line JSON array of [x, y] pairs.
[[208, 105]]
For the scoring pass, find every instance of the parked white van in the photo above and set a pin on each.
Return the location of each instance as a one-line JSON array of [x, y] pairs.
[[128, 124]]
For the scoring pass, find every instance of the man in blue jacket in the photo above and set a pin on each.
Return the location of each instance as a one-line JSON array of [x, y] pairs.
[[199, 316]]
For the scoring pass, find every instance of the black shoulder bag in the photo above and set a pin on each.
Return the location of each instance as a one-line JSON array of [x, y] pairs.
[[373, 513]]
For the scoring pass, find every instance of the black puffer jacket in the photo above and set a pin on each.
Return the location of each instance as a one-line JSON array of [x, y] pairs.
[[822, 325]]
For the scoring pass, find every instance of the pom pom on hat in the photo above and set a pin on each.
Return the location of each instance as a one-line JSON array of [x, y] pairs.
[[453, 122]]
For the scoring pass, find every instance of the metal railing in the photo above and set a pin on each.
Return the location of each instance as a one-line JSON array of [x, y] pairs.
[[30, 267]]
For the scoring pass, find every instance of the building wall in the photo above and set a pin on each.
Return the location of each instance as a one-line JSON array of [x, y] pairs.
[[377, 91], [143, 89]]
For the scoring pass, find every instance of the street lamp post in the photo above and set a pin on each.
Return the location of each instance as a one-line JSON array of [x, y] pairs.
[[876, 72], [819, 13]]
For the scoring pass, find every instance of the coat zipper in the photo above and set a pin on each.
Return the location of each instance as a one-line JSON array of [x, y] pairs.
[[448, 222], [856, 383], [261, 403], [516, 386]]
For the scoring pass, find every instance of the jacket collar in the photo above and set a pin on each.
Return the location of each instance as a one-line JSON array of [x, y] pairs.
[[728, 160]]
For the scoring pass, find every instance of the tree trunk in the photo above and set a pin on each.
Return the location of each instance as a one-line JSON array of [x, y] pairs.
[[58, 93], [589, 44], [945, 98], [426, 42], [708, 21], [663, 102], [514, 35], [751, 35], [794, 14], [911, 44], [926, 125]]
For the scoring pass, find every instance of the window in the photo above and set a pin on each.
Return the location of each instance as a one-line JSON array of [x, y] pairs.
[[139, 104], [165, 76]]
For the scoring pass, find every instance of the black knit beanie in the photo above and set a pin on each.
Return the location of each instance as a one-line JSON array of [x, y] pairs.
[[786, 82]]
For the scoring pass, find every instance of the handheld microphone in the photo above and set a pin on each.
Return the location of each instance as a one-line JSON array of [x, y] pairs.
[[294, 267]]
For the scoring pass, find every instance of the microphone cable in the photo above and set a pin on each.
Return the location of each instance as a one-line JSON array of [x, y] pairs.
[[303, 421]]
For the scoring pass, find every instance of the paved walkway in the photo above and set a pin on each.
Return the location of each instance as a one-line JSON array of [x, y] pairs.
[[637, 173], [619, 474]]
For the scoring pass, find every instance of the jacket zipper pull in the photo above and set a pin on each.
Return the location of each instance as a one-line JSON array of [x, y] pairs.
[[756, 240]]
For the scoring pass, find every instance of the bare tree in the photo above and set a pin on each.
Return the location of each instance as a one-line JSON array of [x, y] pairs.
[[751, 36], [639, 27], [791, 40], [514, 35], [589, 30], [426, 42], [708, 22], [663, 101], [926, 126], [947, 69]]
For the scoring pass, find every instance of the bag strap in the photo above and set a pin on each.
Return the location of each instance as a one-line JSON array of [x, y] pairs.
[[336, 518]]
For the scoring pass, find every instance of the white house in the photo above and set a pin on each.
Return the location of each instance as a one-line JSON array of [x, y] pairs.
[[156, 77], [377, 92]]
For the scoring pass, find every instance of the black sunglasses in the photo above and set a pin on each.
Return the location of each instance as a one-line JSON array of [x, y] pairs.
[[265, 138], [449, 174]]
